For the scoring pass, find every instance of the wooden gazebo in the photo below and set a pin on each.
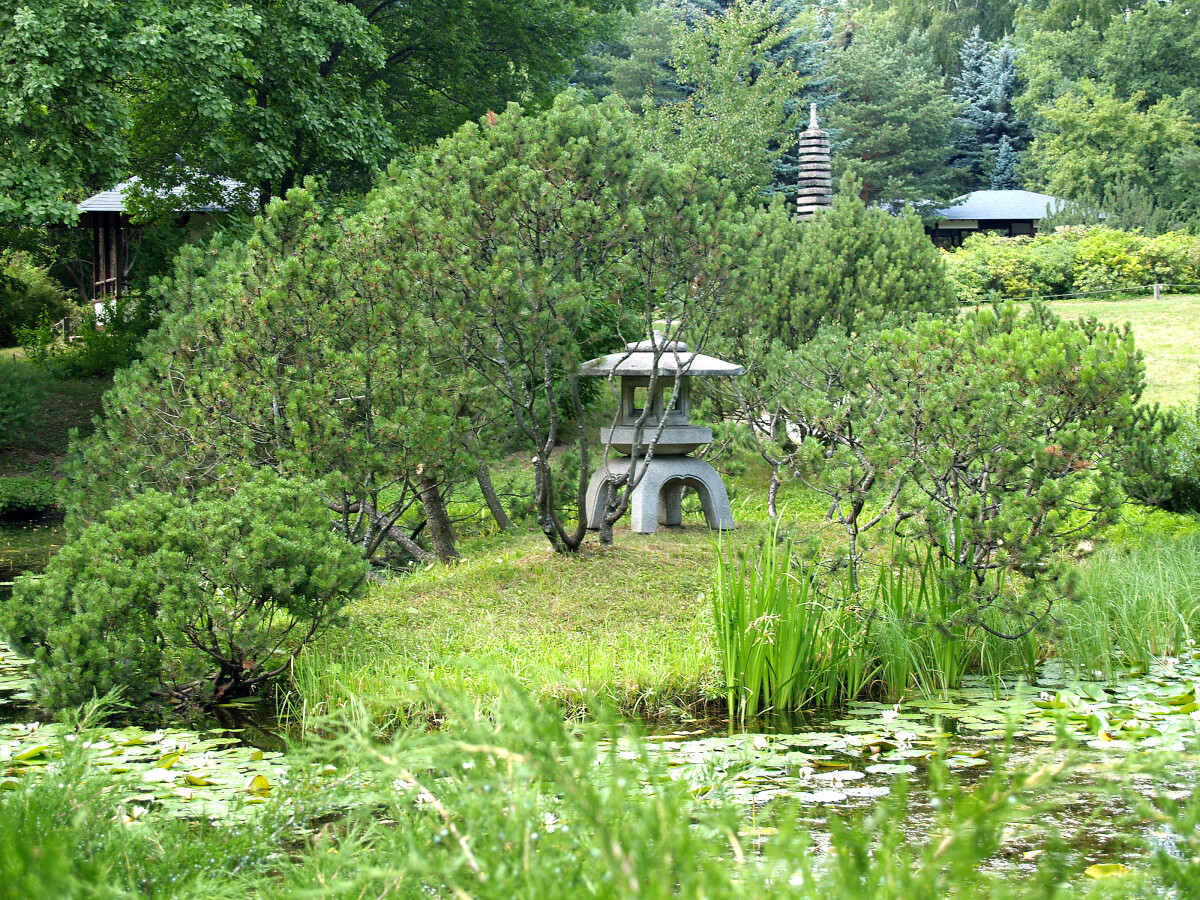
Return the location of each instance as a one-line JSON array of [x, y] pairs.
[[105, 214]]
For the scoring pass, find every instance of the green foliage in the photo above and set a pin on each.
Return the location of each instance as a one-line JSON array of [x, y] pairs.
[[531, 243], [634, 62], [26, 496], [165, 593], [927, 629], [891, 124], [1106, 259], [946, 27], [989, 266], [1069, 260], [516, 803], [289, 353], [1095, 139], [997, 438], [21, 392], [739, 109], [1134, 604], [782, 645], [1166, 473], [263, 92], [27, 293], [987, 122], [853, 268]]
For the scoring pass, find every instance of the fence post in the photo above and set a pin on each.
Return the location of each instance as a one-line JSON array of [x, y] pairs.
[[1157, 290]]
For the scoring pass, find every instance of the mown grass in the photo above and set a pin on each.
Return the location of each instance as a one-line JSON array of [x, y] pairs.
[[627, 625], [1166, 330]]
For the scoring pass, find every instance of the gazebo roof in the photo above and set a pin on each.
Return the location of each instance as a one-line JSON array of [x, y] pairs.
[[113, 200], [992, 205], [637, 359]]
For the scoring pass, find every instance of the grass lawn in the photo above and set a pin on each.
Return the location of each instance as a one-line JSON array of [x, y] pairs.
[[66, 403], [627, 625], [1166, 330]]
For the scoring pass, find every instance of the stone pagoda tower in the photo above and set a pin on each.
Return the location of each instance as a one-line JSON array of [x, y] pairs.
[[814, 181]]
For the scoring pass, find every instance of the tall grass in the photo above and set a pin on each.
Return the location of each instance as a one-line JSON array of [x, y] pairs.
[[782, 645], [927, 631], [1134, 604], [785, 645]]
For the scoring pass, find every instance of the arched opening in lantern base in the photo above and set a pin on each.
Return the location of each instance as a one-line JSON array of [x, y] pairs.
[[658, 498]]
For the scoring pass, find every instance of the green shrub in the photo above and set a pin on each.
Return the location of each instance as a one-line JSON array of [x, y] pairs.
[[100, 345], [1071, 259], [26, 292], [21, 392], [1108, 260], [1172, 258], [165, 593], [852, 267], [26, 495]]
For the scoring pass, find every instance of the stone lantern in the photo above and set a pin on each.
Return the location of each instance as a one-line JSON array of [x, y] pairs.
[[658, 497]]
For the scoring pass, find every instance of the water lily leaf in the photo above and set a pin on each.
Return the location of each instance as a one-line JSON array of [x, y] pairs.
[[258, 785], [838, 776], [1091, 690], [9, 784], [31, 753], [964, 762], [890, 769], [169, 760], [1178, 699], [821, 796], [197, 780], [1106, 870], [160, 775]]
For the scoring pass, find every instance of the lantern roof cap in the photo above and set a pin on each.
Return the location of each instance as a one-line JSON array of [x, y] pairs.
[[637, 359]]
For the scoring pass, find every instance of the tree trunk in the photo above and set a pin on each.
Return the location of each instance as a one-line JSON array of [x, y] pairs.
[[491, 498], [441, 532]]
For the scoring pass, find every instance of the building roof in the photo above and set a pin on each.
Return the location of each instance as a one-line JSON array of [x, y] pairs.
[[113, 200], [1002, 205], [638, 359]]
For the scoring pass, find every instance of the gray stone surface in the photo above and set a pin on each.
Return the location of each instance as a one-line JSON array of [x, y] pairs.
[[814, 182], [675, 440], [658, 498]]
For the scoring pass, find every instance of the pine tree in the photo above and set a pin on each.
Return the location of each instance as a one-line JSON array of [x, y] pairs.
[[891, 123]]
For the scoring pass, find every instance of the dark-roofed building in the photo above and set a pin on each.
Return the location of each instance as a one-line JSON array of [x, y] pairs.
[[1009, 213]]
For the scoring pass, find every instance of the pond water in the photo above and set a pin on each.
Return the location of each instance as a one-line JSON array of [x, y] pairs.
[[847, 763], [833, 765], [219, 768], [26, 546], [813, 768]]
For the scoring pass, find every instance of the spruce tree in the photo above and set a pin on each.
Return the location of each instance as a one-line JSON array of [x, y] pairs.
[[1004, 175], [891, 123], [985, 87]]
